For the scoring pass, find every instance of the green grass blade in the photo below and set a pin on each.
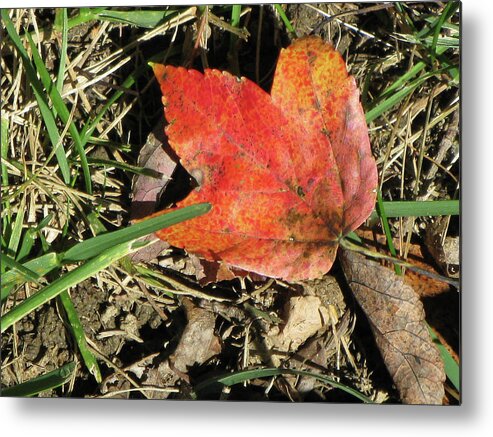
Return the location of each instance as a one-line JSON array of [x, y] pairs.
[[235, 15], [126, 167], [405, 78], [245, 375], [395, 97], [80, 336], [27, 244], [30, 236], [46, 113], [84, 15], [74, 277], [285, 19], [15, 236], [62, 110], [448, 26], [452, 369], [88, 128], [63, 26], [95, 245], [39, 266], [233, 59], [146, 19], [448, 11], [385, 224], [26, 273], [421, 208], [4, 149], [48, 381]]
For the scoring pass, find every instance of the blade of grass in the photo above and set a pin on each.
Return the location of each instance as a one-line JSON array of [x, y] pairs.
[[76, 328], [39, 266], [407, 77], [127, 167], [285, 19], [61, 109], [246, 375], [409, 208], [74, 277], [395, 97], [147, 18], [15, 235], [85, 15], [26, 273], [95, 245], [80, 336], [448, 11], [89, 128], [46, 113], [48, 381], [62, 15], [4, 149], [97, 227], [386, 227], [452, 369], [448, 26], [27, 244], [235, 15], [30, 236]]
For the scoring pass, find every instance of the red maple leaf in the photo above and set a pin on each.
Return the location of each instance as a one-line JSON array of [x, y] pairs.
[[288, 174]]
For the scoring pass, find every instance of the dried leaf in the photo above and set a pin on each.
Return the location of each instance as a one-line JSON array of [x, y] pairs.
[[287, 174], [303, 317], [444, 248], [146, 189], [198, 342], [397, 319]]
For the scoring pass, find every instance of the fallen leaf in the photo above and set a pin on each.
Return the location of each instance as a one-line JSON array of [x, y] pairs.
[[444, 248], [198, 342], [287, 174], [146, 190], [397, 319], [304, 316]]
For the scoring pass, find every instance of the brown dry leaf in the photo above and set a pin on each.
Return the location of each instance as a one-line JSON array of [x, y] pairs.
[[149, 373], [397, 319], [198, 342], [444, 248], [304, 317], [146, 189]]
